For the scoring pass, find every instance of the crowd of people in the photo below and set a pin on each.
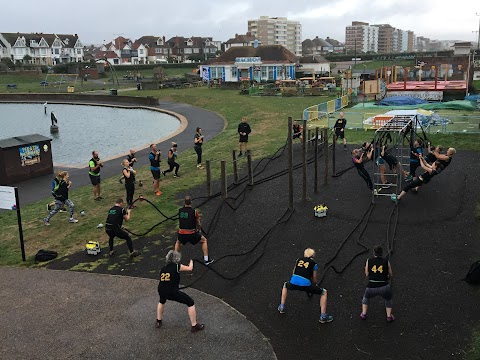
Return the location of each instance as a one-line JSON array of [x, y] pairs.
[[378, 269]]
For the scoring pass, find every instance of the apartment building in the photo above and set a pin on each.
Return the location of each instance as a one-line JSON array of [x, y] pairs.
[[278, 31], [361, 37], [385, 38]]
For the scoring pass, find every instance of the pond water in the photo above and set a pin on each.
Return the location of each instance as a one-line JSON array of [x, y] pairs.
[[82, 128]]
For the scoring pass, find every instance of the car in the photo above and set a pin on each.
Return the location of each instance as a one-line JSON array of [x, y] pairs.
[[44, 83]]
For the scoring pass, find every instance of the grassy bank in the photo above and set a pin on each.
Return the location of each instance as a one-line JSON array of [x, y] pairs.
[[267, 117]]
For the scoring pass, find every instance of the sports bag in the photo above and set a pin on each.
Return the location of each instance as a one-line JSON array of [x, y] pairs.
[[473, 275], [45, 255]]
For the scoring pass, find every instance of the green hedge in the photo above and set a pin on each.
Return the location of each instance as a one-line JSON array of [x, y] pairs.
[[152, 66]]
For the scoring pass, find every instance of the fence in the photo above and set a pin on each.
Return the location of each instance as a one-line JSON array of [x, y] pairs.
[[321, 111]]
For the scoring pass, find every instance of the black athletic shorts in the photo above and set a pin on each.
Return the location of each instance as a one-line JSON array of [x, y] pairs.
[[177, 296], [243, 138], [340, 134], [190, 238], [94, 179], [312, 289], [296, 135], [156, 174]]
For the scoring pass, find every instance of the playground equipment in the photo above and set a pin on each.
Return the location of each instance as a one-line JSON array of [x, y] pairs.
[[61, 80], [399, 133]]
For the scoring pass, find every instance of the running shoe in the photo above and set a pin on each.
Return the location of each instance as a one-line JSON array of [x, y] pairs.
[[120, 181], [176, 175], [363, 316], [62, 210], [197, 328], [158, 324], [135, 253], [390, 318], [163, 173], [209, 261], [111, 253], [281, 309], [158, 193], [73, 221], [394, 198], [325, 319], [408, 178], [46, 222]]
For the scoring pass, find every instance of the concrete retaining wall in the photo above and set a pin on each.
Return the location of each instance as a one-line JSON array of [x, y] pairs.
[[111, 99]]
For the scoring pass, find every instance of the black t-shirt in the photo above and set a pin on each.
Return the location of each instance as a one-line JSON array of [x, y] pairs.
[[154, 162], [244, 128], [377, 272], [340, 124], [358, 165], [430, 157], [296, 129], [426, 176], [130, 157], [131, 179], [115, 216], [445, 163], [198, 136], [62, 192], [304, 267], [169, 278], [187, 218]]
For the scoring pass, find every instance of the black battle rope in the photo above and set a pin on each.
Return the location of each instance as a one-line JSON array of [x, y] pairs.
[[283, 219]]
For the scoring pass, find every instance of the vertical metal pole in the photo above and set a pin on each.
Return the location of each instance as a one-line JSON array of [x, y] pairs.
[[209, 178], [235, 168], [223, 178], [309, 136], [334, 145], [250, 168], [315, 178], [20, 229], [325, 153], [290, 163], [304, 162]]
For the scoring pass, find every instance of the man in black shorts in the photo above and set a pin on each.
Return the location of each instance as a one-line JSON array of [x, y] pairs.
[[378, 271], [168, 289], [297, 131], [155, 158], [94, 166], [113, 227], [243, 131], [189, 229], [304, 272], [339, 128]]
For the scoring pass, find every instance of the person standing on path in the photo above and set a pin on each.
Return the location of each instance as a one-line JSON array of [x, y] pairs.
[[304, 272], [198, 142], [131, 161], [129, 176], [155, 158], [94, 173], [339, 128], [60, 192], [190, 229], [378, 271], [172, 157], [243, 131], [168, 289], [113, 227]]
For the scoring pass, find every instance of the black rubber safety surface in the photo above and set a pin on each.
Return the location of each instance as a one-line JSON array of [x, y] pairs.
[[436, 240]]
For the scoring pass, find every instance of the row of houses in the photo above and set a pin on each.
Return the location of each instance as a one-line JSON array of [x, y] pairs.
[[40, 48]]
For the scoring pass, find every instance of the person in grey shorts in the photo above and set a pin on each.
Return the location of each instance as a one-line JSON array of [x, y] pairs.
[[378, 271]]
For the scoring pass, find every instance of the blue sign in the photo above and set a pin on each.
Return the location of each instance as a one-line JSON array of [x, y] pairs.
[[255, 59]]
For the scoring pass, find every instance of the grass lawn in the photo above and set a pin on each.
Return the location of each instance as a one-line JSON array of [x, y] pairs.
[[474, 353]]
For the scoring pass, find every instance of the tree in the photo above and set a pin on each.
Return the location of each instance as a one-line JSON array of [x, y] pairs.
[[7, 61], [27, 58]]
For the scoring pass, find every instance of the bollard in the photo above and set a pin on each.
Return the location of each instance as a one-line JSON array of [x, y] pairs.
[[209, 178], [223, 179], [315, 178], [325, 152], [250, 168], [235, 168], [290, 163], [304, 162]]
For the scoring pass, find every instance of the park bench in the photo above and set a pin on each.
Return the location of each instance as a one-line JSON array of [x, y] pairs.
[[11, 86]]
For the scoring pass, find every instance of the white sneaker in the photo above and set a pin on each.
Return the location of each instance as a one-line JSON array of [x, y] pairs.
[[73, 221]]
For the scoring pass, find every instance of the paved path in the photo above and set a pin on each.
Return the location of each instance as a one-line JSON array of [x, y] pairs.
[[48, 314], [212, 124]]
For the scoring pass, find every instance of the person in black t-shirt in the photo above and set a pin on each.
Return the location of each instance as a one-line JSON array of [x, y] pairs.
[[358, 159], [131, 161], [60, 189], [172, 157], [297, 131], [197, 146], [168, 289], [113, 227], [378, 271], [339, 128], [243, 131], [430, 172], [189, 230], [129, 175], [304, 278]]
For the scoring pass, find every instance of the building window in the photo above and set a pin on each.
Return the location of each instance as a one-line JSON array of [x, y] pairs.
[[233, 72], [264, 70], [140, 51], [188, 51], [79, 51], [158, 51], [57, 51], [270, 72]]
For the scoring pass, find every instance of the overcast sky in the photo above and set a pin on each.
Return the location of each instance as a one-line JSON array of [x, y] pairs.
[[99, 21]]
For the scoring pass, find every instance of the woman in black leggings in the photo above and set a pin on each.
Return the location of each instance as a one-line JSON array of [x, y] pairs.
[[198, 141], [430, 172], [358, 158], [172, 156], [129, 176]]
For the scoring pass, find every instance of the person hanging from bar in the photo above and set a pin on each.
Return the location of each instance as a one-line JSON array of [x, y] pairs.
[[415, 152], [430, 172], [358, 159]]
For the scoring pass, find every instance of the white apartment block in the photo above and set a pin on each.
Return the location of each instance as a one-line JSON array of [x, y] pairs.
[[361, 37], [278, 31]]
